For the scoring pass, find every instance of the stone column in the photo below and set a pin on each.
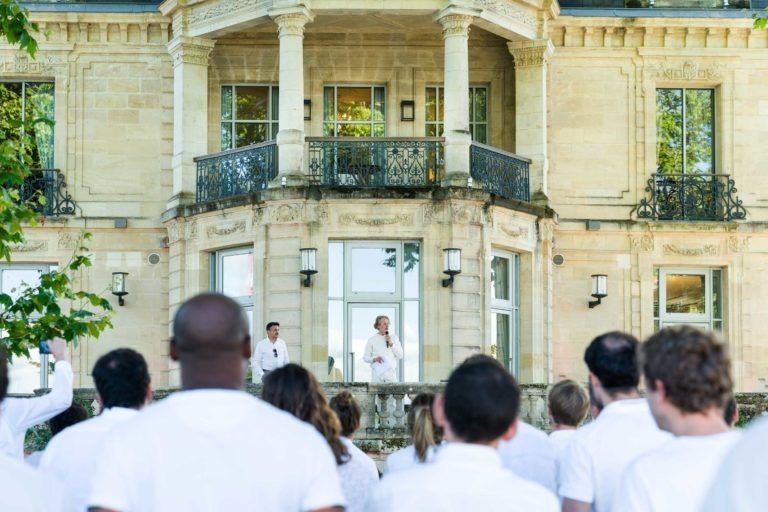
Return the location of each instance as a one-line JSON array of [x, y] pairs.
[[190, 112], [290, 139], [531, 109], [456, 22]]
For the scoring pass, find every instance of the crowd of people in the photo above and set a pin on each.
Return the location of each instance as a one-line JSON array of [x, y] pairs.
[[212, 446]]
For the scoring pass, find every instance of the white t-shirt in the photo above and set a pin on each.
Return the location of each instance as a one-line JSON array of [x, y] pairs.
[[674, 477], [560, 440], [19, 414], [740, 484], [600, 451], [264, 357], [405, 458], [463, 477], [530, 455], [215, 449], [24, 489], [73, 454], [358, 477]]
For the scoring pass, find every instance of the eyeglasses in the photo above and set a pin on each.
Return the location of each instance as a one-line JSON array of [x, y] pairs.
[[275, 351]]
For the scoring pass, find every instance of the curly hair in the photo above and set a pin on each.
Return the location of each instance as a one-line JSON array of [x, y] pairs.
[[693, 366], [295, 390]]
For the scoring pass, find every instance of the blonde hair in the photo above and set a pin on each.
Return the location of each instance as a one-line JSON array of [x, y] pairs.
[[421, 425], [379, 319]]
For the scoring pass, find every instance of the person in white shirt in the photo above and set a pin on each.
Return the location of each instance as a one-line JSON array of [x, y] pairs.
[[688, 379], [123, 388], [477, 411], [212, 446], [19, 414], [359, 474], [568, 404], [74, 414], [531, 455], [425, 433], [269, 354], [22, 488], [740, 481], [600, 451], [382, 352]]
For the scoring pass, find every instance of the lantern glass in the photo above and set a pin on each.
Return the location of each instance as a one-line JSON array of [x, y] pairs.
[[308, 260], [118, 282], [599, 285], [452, 261]]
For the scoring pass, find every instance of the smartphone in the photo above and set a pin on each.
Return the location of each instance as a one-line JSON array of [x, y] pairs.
[[45, 348]]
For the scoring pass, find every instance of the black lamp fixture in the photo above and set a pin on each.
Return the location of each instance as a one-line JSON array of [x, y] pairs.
[[307, 110], [118, 286], [451, 264], [407, 110], [308, 264], [599, 289]]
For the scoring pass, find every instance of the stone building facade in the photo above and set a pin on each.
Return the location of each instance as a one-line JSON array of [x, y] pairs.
[[204, 143]]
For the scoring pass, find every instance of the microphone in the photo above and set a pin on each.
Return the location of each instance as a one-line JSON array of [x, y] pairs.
[[386, 333]]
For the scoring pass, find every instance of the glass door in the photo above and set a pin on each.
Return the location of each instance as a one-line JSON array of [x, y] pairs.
[[360, 317]]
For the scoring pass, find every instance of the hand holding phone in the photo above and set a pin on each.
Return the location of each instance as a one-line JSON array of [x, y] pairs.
[[45, 348]]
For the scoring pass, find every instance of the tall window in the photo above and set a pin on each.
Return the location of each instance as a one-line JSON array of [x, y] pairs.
[[478, 112], [505, 310], [232, 275], [685, 138], [354, 111], [688, 296], [248, 114], [29, 101]]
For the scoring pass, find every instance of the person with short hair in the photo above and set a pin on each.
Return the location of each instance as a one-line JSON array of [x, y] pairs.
[[19, 414], [688, 379], [122, 382], [73, 415], [213, 446], [731, 412], [269, 354], [23, 488], [478, 409], [599, 452], [425, 433], [568, 406], [382, 351], [359, 474]]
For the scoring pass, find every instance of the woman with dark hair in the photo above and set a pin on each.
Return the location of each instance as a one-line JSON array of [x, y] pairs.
[[359, 474], [295, 390], [425, 433]]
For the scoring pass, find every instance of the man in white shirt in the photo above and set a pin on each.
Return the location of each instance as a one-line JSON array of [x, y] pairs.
[[382, 352], [600, 451], [479, 409], [740, 482], [269, 354], [688, 379], [531, 455], [212, 446], [122, 385], [19, 414], [22, 488]]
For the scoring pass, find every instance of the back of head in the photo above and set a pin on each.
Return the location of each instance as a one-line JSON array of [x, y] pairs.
[[348, 411], [693, 366], [731, 411], [481, 400], [295, 390], [3, 374], [75, 413], [613, 358], [568, 403], [121, 377], [424, 431]]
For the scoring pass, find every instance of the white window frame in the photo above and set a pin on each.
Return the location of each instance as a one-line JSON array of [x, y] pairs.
[[708, 318], [217, 278], [510, 308]]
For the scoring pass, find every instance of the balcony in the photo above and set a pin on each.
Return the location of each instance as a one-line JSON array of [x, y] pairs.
[[353, 163], [687, 197], [665, 4], [50, 184]]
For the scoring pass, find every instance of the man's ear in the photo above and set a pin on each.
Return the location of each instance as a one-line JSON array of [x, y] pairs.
[[173, 349], [438, 410], [658, 388], [511, 431], [149, 394], [247, 350]]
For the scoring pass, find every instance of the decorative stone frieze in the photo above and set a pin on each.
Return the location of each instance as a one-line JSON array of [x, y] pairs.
[[350, 219], [456, 24], [287, 213], [463, 214], [531, 53], [31, 246], [291, 24], [258, 216], [190, 50], [222, 8], [432, 213], [643, 243], [23, 64], [509, 10], [69, 240], [736, 244], [688, 70], [174, 229], [191, 230], [515, 232], [706, 250], [225, 229]]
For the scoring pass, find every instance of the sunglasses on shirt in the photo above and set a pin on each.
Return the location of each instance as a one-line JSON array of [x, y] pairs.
[[275, 351]]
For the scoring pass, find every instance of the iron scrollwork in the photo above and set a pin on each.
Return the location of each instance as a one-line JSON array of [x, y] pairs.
[[51, 185], [707, 197], [235, 172], [499, 172]]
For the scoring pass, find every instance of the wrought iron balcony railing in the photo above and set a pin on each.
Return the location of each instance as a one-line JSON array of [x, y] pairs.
[[236, 171], [498, 172], [358, 162], [50, 184], [665, 4], [691, 197]]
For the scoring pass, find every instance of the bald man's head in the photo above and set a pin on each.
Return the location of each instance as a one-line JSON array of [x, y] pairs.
[[209, 327]]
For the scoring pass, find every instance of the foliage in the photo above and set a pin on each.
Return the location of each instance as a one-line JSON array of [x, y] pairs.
[[761, 19], [684, 124], [36, 311]]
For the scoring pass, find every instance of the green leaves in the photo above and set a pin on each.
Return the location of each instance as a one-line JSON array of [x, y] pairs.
[[16, 27]]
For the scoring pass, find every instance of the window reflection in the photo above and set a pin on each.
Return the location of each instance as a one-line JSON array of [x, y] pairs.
[[237, 275], [373, 270], [686, 293], [500, 278]]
